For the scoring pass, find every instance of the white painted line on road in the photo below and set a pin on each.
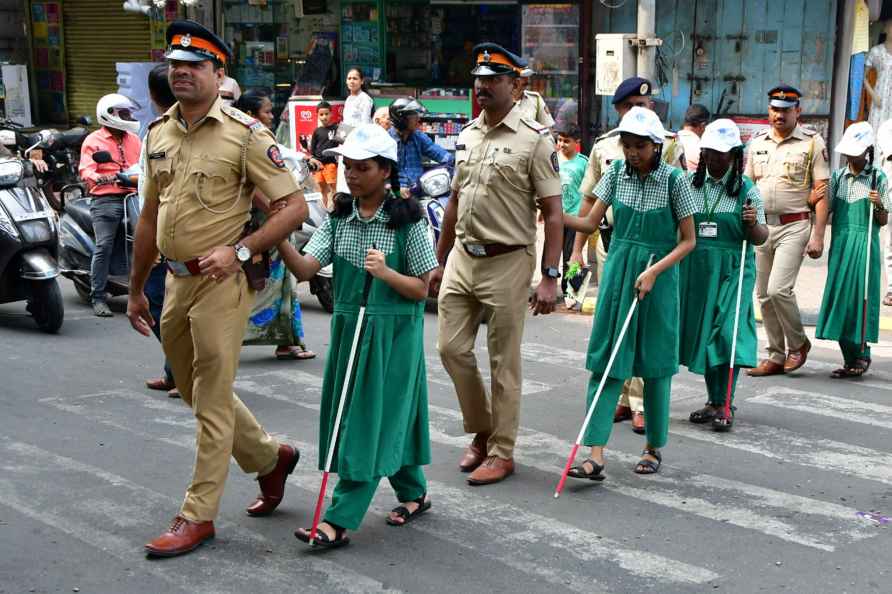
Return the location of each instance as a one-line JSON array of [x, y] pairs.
[[848, 409], [104, 512], [502, 522]]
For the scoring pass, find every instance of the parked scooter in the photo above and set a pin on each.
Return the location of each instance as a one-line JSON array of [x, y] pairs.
[[77, 241], [28, 247], [432, 190]]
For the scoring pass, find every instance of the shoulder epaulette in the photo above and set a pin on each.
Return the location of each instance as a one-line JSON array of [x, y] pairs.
[[670, 134], [808, 131], [242, 118], [762, 132], [536, 126], [155, 122]]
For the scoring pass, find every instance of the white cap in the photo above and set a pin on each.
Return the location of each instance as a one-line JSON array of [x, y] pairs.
[[643, 122], [884, 139], [857, 139], [367, 141], [721, 135]]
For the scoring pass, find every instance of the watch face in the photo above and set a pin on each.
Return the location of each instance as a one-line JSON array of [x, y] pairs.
[[243, 253]]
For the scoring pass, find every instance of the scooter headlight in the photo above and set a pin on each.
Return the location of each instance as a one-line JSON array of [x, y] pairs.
[[6, 224], [435, 183], [11, 172]]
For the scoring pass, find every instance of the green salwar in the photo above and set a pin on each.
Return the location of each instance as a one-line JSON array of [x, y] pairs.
[[841, 313], [657, 391], [351, 499], [717, 384]]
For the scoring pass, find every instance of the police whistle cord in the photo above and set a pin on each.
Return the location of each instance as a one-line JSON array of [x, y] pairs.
[[873, 188], [591, 408], [348, 377], [743, 245]]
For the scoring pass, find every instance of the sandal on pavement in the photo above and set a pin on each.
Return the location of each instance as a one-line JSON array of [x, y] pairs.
[[646, 466], [887, 300], [291, 353], [721, 423], [322, 541], [840, 373], [402, 512], [579, 472], [704, 415], [858, 368]]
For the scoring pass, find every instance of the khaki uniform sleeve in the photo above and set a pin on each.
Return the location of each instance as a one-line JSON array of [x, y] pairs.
[[820, 167], [544, 170], [147, 188], [675, 156], [592, 174], [748, 166], [543, 116], [266, 169]]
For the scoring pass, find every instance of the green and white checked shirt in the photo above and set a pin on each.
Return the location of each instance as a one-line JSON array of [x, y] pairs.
[[714, 189], [650, 193], [854, 188], [356, 235]]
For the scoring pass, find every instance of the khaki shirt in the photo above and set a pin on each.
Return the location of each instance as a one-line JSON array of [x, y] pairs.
[[196, 175], [533, 106], [786, 171], [499, 172]]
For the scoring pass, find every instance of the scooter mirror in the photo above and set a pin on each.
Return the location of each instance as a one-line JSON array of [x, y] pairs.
[[85, 120], [102, 157]]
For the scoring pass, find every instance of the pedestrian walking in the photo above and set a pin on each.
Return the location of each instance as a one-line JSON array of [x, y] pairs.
[[729, 212], [790, 166], [653, 212], [572, 169], [506, 169], [325, 136], [384, 431], [695, 120], [630, 93], [859, 201], [204, 161]]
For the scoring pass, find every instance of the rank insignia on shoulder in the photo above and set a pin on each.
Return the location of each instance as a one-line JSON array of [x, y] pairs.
[[242, 118], [157, 155], [275, 156]]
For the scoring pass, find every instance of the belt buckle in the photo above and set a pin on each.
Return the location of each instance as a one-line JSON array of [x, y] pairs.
[[178, 268], [476, 249]]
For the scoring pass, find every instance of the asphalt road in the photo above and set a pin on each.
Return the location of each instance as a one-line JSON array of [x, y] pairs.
[[94, 465]]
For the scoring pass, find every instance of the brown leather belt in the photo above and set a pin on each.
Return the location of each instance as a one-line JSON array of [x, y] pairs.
[[786, 219], [189, 268], [488, 250]]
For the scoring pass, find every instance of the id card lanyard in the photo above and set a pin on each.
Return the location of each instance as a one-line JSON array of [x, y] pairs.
[[708, 228]]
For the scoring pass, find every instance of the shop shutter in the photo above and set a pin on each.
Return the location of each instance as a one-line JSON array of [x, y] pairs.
[[98, 34]]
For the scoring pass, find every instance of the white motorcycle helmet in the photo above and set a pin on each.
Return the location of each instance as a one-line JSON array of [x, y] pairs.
[[116, 111]]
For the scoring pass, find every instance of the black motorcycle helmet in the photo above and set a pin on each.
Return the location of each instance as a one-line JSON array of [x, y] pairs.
[[403, 107]]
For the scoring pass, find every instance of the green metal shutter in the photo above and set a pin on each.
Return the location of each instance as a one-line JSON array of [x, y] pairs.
[[98, 34]]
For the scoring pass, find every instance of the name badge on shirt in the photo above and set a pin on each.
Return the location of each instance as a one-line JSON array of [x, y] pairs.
[[708, 229]]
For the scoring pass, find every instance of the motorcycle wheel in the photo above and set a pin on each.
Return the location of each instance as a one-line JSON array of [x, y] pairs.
[[83, 291], [46, 305], [321, 288]]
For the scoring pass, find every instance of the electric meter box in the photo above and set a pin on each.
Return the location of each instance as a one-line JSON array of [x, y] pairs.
[[615, 61]]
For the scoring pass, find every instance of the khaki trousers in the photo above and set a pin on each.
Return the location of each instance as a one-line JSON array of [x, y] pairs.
[[633, 394], [499, 288], [202, 326], [778, 261]]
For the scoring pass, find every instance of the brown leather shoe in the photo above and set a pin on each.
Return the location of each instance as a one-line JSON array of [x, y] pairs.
[[272, 485], [766, 367], [796, 359], [160, 384], [474, 454], [493, 470], [622, 413], [638, 422], [182, 536]]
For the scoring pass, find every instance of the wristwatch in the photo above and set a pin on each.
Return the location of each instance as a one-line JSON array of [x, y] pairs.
[[551, 272], [242, 252]]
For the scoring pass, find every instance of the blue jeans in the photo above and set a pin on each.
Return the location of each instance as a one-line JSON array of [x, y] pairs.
[[107, 213], [154, 291]]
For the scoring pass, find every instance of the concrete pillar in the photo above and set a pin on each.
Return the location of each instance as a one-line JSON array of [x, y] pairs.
[[647, 29]]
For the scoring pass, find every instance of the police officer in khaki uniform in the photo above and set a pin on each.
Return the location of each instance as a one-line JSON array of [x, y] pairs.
[[632, 92], [789, 164], [204, 161], [506, 168], [531, 103]]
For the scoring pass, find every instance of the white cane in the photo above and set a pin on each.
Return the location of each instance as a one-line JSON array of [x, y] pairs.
[[873, 184], [591, 408], [736, 326]]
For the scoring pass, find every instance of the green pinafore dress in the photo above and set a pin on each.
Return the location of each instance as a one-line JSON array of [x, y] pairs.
[[708, 289], [385, 422], [650, 348], [841, 309]]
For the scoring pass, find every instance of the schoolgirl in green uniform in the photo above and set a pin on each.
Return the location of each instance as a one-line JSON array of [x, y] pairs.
[[851, 198], [384, 431], [729, 211], [653, 208]]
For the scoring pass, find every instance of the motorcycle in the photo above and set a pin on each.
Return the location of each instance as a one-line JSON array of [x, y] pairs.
[[77, 241], [432, 190], [297, 164], [28, 247]]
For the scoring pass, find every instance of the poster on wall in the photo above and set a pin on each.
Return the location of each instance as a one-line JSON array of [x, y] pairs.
[[302, 118]]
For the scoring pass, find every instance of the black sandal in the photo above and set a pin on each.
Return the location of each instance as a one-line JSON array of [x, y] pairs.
[[721, 423], [403, 512], [649, 466], [322, 541], [858, 368], [704, 415], [579, 472], [840, 373]]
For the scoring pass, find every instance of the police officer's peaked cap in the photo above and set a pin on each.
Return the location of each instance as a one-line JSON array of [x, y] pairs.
[[189, 41], [783, 96], [632, 87], [492, 59]]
